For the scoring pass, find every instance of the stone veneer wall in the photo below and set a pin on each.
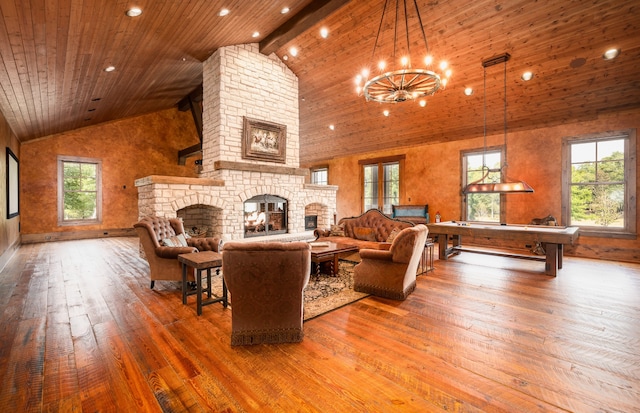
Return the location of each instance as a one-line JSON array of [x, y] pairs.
[[238, 81]]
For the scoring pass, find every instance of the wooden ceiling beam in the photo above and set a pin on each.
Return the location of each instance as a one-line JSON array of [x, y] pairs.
[[315, 12]]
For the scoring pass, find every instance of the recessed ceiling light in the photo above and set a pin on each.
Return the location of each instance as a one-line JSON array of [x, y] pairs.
[[223, 12], [285, 57], [468, 91], [385, 112], [423, 103], [526, 76], [255, 34], [332, 127], [293, 51], [611, 54], [109, 68], [134, 12], [324, 32], [284, 10]]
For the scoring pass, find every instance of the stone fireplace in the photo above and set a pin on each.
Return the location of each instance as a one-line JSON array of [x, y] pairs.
[[238, 83]]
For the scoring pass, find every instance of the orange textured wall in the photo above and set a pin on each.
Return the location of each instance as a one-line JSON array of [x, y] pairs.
[[129, 149], [432, 176]]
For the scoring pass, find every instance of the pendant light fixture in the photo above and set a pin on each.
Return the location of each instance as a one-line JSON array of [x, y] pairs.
[[506, 185], [402, 74]]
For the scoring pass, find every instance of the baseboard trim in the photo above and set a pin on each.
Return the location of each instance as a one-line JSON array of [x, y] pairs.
[[73, 235]]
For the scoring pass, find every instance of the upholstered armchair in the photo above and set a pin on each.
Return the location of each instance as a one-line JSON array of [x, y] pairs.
[[392, 273], [266, 282], [163, 260]]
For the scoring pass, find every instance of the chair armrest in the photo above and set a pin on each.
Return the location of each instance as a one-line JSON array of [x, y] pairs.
[[381, 255], [205, 244], [173, 252]]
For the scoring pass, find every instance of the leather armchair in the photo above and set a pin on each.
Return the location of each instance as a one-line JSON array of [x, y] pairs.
[[392, 273], [163, 260], [266, 283]]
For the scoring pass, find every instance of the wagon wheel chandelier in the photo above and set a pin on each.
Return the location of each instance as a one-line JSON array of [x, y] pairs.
[[404, 81]]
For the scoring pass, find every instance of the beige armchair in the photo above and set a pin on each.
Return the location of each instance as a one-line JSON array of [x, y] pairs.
[[266, 283], [163, 260], [392, 273]]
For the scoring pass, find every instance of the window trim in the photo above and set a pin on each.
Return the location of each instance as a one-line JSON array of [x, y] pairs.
[[98, 220], [380, 162], [464, 183], [629, 231]]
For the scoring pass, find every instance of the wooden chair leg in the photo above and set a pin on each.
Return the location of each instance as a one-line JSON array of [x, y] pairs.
[[152, 284]]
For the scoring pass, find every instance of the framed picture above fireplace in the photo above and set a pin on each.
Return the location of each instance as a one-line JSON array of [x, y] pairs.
[[264, 141]]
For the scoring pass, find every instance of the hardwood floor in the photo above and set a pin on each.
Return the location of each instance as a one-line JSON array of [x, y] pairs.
[[81, 331]]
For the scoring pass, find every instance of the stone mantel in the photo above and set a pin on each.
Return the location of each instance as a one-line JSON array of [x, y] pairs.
[[251, 167], [177, 180]]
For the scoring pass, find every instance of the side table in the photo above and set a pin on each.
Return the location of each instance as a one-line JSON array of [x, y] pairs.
[[205, 260], [427, 257]]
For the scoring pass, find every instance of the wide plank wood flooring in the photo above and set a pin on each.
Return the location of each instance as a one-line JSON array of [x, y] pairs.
[[81, 331]]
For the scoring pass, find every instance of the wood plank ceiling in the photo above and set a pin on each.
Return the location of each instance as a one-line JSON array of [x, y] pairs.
[[54, 52]]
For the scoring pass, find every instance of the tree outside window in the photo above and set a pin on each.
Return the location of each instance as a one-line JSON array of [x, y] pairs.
[[479, 206], [599, 182], [79, 196]]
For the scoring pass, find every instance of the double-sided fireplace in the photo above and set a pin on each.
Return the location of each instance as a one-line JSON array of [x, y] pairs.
[[265, 215]]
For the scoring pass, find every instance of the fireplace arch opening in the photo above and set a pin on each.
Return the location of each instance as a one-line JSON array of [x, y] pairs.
[[265, 215]]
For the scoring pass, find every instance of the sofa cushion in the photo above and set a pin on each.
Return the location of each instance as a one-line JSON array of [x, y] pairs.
[[392, 235], [337, 230], [175, 241], [364, 233]]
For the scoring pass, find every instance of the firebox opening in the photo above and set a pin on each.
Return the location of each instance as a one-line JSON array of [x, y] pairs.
[[265, 215]]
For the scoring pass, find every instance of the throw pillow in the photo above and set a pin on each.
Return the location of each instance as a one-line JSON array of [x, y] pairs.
[[364, 234], [393, 234], [175, 241], [337, 230]]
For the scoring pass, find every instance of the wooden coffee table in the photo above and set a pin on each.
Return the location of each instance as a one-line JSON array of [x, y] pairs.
[[204, 260], [324, 251]]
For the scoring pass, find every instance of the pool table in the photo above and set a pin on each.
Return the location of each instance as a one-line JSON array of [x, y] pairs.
[[552, 239]]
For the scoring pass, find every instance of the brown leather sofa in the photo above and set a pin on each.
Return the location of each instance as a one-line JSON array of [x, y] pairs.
[[369, 230], [266, 283], [163, 260], [392, 273]]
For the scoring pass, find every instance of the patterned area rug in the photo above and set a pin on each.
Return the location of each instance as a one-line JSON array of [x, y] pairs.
[[322, 294], [327, 293]]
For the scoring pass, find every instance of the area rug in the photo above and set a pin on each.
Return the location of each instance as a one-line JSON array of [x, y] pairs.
[[322, 294], [326, 293]]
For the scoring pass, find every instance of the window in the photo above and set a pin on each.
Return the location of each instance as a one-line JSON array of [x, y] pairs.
[[381, 183], [79, 194], [599, 183], [482, 207], [319, 176]]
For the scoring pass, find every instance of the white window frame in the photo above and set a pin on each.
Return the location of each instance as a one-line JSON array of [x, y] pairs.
[[319, 172], [74, 159], [630, 200]]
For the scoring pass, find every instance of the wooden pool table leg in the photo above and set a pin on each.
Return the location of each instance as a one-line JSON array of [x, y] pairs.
[[560, 254], [551, 262], [442, 246]]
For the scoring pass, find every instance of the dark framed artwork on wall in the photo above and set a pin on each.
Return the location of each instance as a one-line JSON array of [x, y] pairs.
[[264, 141], [13, 185]]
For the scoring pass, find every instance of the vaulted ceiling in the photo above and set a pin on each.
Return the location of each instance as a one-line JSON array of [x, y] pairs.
[[54, 53]]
